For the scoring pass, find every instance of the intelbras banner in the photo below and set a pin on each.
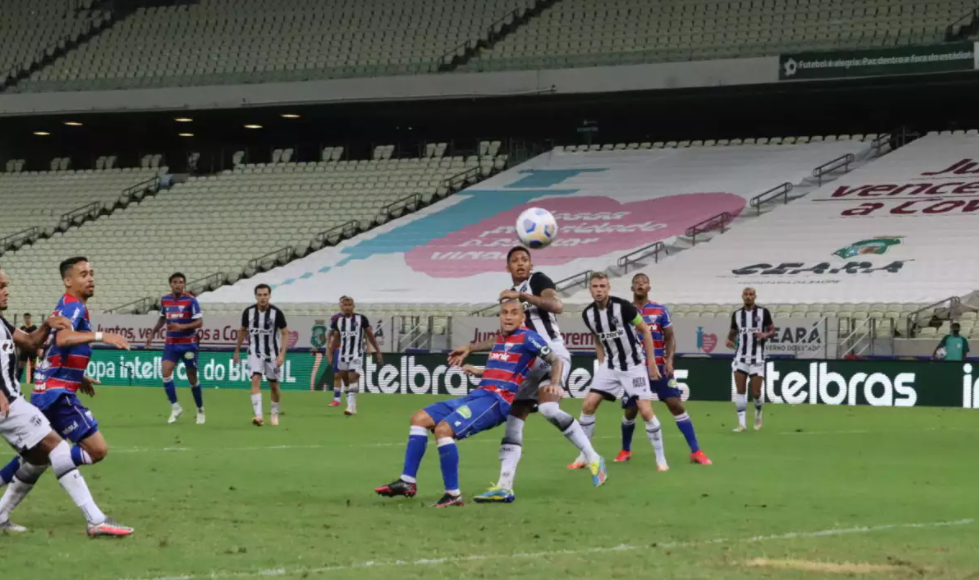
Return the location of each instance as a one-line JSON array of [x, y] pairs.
[[794, 382], [903, 60]]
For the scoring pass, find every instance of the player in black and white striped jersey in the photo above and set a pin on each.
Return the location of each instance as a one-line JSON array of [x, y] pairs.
[[350, 333], [752, 326], [268, 339]]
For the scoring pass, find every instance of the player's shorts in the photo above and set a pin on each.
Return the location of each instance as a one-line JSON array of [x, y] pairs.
[[664, 389], [355, 366], [540, 376], [752, 370], [25, 426], [70, 419], [480, 410], [259, 366], [615, 384], [186, 354], [336, 360]]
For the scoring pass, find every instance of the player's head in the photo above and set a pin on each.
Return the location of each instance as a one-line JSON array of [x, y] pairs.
[[178, 283], [4, 290], [749, 295], [511, 315], [599, 286], [78, 277], [518, 263], [640, 286], [27, 319], [346, 305], [263, 293], [955, 328]]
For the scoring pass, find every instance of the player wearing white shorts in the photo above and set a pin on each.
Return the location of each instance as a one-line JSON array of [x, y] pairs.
[[752, 325], [624, 365], [268, 339], [349, 332], [27, 430]]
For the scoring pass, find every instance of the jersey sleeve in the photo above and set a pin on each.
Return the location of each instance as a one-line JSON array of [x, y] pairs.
[[75, 312], [244, 318], [666, 320], [734, 321], [584, 318], [540, 282], [333, 323], [630, 314], [536, 344], [195, 309], [10, 327], [965, 347], [766, 320], [280, 320]]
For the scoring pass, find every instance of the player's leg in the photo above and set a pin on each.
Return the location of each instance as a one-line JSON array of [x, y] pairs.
[[654, 432], [168, 364], [190, 365], [276, 396], [629, 413], [256, 396], [757, 380], [683, 422], [481, 411], [741, 398], [574, 431], [76, 424], [337, 380], [422, 422], [511, 449], [353, 386], [7, 471]]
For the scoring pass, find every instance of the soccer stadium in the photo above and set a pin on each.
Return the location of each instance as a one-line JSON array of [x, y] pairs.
[[269, 268]]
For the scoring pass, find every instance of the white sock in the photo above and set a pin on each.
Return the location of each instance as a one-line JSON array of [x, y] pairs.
[[257, 404], [176, 407], [21, 485], [72, 481], [741, 404], [509, 458], [352, 400], [655, 434], [587, 424], [576, 435], [275, 408]]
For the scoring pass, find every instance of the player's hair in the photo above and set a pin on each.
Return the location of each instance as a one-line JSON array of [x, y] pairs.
[[177, 275], [514, 250], [638, 275], [67, 265], [346, 299], [26, 314], [263, 287], [956, 325], [598, 276]]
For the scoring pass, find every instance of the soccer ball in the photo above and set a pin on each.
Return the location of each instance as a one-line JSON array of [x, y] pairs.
[[941, 354], [536, 228]]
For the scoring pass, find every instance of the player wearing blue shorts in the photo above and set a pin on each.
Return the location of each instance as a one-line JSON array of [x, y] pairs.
[[657, 317], [506, 368], [181, 313]]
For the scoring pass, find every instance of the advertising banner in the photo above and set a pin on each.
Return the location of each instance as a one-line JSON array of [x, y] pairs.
[[809, 382], [902, 60]]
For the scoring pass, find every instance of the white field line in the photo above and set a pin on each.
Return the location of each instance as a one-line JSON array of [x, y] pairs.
[[274, 572]]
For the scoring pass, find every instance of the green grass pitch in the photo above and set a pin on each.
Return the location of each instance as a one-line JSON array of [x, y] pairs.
[[818, 487]]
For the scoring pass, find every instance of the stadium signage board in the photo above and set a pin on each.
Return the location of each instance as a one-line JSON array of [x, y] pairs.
[[937, 58]]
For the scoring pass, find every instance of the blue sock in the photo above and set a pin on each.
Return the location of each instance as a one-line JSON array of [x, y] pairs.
[[628, 428], [449, 460], [685, 425], [198, 396], [171, 390], [80, 457], [417, 441], [336, 393], [8, 471]]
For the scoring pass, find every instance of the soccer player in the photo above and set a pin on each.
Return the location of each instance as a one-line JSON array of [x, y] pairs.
[[541, 303], [509, 363], [624, 370], [181, 313], [955, 345], [337, 378], [657, 317], [27, 360], [347, 342], [26, 429], [752, 325], [268, 335]]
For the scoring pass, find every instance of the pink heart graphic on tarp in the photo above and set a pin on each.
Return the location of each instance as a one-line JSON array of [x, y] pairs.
[[710, 342], [587, 227]]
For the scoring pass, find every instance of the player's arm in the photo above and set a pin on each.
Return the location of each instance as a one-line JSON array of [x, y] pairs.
[[941, 344], [965, 348], [459, 354], [333, 345], [647, 343], [474, 370], [733, 333], [160, 322], [669, 349], [372, 340], [548, 301], [196, 315], [557, 368], [33, 341], [768, 325]]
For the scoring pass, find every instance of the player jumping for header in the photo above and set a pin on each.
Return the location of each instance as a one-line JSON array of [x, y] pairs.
[[181, 314], [509, 363]]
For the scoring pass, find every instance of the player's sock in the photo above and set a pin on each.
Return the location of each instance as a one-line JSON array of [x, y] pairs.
[[628, 428], [8, 471], [655, 434], [337, 391], [275, 408], [80, 457], [198, 396], [685, 425], [22, 483], [257, 404], [510, 451], [449, 461], [587, 424], [352, 397], [571, 429], [759, 404], [741, 404], [417, 442], [171, 389], [72, 481]]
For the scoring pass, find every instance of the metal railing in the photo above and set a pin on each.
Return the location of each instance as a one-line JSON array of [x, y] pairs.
[[460, 179], [140, 306], [491, 29], [572, 281], [402, 203], [344, 230], [28, 234], [209, 282], [643, 252], [909, 321], [879, 142], [273, 258], [861, 334], [89, 210], [483, 311], [843, 161], [781, 190], [960, 30], [153, 183], [414, 331], [720, 220]]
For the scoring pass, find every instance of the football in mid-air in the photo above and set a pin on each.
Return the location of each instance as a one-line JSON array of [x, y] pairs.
[[536, 228]]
